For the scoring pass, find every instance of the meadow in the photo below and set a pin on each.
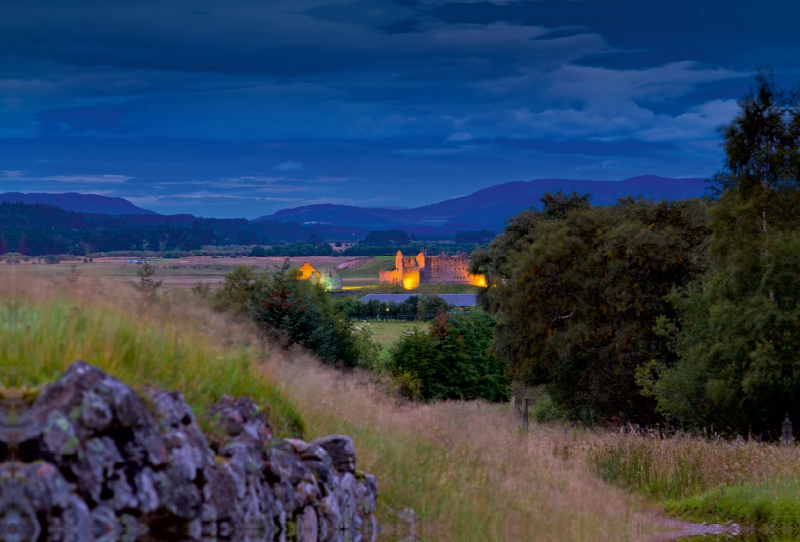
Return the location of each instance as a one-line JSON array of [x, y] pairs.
[[465, 468]]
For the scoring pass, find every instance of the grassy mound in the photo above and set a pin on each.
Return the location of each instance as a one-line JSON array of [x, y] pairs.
[[169, 347]]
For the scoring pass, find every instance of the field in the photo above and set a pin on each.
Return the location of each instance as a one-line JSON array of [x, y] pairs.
[[388, 332], [367, 267], [184, 273], [176, 273]]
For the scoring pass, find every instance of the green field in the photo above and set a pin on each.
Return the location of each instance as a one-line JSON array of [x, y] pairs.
[[370, 269], [387, 333]]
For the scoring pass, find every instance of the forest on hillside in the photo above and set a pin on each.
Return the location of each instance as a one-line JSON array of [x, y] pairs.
[[38, 230]]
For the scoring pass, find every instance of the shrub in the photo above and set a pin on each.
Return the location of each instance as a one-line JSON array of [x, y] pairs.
[[451, 361], [546, 410]]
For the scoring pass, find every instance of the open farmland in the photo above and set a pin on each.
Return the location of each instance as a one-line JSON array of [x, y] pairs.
[[176, 273]]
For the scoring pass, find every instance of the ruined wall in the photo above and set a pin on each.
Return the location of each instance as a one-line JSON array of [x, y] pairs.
[[421, 269], [305, 271], [327, 277]]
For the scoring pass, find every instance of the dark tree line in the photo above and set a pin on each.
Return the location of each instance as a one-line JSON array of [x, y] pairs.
[[38, 230]]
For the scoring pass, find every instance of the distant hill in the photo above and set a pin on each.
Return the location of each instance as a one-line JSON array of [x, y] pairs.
[[80, 203], [488, 208]]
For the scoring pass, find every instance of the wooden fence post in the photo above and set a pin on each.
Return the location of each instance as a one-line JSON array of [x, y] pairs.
[[524, 421]]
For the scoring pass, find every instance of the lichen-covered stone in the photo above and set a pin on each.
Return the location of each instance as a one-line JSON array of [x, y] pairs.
[[134, 466]]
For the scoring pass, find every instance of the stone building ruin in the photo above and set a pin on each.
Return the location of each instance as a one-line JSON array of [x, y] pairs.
[[411, 271], [328, 278]]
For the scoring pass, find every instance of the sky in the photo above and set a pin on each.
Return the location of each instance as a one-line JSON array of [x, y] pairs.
[[239, 108]]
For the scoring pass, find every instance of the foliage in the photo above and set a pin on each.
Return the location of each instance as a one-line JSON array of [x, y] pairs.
[[451, 360], [546, 410], [415, 306], [369, 350], [38, 230], [737, 332], [293, 312], [386, 238], [577, 291], [147, 287]]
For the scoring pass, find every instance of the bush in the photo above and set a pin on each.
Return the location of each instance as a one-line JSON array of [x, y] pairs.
[[451, 361], [294, 312], [546, 410]]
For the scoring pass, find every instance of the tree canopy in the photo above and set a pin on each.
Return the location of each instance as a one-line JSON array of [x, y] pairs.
[[737, 334]]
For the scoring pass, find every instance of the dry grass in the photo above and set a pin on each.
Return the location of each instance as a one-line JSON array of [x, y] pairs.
[[463, 466], [676, 468]]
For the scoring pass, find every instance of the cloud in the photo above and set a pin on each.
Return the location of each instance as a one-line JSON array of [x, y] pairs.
[[289, 165], [103, 179], [605, 104], [18, 176]]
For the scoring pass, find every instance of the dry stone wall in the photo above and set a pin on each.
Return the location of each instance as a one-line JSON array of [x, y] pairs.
[[87, 459]]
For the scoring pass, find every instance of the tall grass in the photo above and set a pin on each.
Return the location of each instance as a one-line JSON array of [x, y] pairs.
[[44, 328], [718, 482], [673, 469], [463, 466]]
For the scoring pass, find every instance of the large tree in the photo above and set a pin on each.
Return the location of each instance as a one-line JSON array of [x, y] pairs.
[[577, 291], [738, 333]]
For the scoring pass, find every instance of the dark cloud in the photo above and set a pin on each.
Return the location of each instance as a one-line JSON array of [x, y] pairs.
[[247, 106]]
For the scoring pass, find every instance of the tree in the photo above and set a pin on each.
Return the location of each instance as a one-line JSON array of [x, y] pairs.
[[147, 287], [737, 334], [384, 238], [577, 291], [74, 274], [450, 360]]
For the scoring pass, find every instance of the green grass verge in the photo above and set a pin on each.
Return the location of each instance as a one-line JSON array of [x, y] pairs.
[[41, 338], [773, 505]]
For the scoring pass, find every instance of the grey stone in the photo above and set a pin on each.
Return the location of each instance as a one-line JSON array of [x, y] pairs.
[[132, 468], [307, 525], [342, 451]]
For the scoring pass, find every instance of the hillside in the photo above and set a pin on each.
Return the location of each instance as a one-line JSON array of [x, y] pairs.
[[80, 203]]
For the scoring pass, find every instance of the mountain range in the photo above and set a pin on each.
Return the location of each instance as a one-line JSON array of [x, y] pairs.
[[488, 208]]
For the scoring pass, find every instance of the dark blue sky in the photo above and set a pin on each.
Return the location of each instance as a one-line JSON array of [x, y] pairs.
[[242, 107]]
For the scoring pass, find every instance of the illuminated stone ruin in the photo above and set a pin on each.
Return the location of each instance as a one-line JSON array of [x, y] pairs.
[[328, 278], [411, 271]]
